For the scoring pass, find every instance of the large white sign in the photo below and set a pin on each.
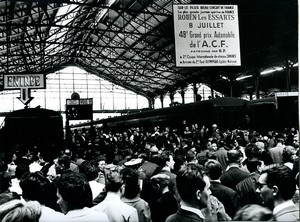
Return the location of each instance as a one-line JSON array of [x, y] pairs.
[[206, 35]]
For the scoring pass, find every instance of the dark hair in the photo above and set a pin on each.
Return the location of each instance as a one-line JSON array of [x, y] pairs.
[[234, 156], [64, 161], [3, 166], [131, 179], [252, 151], [214, 169], [165, 157], [190, 155], [35, 186], [89, 169], [252, 165], [5, 179], [75, 189], [189, 180], [21, 169], [202, 157], [282, 177]]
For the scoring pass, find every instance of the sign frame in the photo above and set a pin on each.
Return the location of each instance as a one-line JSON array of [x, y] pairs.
[[24, 83], [206, 35]]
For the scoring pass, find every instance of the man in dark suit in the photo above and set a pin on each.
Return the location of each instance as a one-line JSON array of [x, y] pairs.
[[233, 175], [226, 195], [194, 195]]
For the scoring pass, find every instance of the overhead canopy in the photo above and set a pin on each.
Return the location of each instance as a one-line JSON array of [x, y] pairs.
[[131, 42]]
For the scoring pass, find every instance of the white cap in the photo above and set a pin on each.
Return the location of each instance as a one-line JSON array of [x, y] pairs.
[[133, 162]]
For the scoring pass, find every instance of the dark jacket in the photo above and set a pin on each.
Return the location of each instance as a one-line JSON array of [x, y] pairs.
[[227, 196], [233, 176], [184, 216]]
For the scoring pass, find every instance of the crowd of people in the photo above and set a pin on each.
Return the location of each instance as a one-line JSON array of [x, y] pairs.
[[157, 174]]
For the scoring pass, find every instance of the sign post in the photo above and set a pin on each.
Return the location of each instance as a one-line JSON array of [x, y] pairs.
[[24, 82]]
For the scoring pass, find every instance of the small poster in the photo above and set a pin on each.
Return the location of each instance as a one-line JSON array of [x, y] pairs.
[[206, 35]]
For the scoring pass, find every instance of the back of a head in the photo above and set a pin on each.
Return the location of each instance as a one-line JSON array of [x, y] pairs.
[[89, 169], [17, 211], [75, 189], [214, 169], [3, 166], [252, 151], [131, 179], [234, 156], [279, 138], [189, 180], [21, 169], [64, 161], [190, 156], [160, 179], [5, 180], [34, 186]]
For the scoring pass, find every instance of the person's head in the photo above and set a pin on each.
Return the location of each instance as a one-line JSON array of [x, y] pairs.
[[190, 156], [34, 186], [289, 154], [202, 157], [214, 146], [213, 169], [234, 156], [63, 163], [3, 166], [73, 192], [160, 181], [21, 169], [260, 145], [191, 186], [275, 184], [252, 151], [114, 180], [279, 138], [254, 165], [89, 169], [5, 181], [131, 179], [253, 212], [17, 211], [167, 159]]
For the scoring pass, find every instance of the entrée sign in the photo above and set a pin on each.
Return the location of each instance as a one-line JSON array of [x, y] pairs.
[[206, 35], [17, 81], [24, 82]]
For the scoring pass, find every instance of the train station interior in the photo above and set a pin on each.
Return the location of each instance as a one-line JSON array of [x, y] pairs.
[[149, 110]]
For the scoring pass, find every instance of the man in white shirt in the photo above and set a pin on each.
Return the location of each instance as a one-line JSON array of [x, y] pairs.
[[112, 206]]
